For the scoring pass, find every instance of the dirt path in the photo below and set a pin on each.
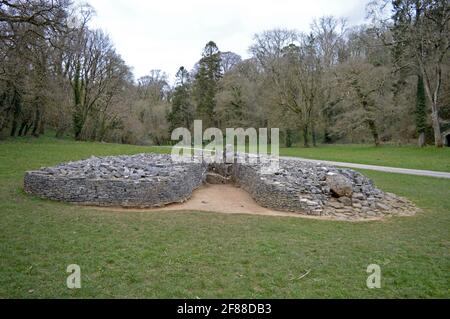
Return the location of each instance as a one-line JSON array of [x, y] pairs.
[[227, 199]]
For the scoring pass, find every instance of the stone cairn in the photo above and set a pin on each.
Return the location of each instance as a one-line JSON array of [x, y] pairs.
[[144, 180], [151, 180]]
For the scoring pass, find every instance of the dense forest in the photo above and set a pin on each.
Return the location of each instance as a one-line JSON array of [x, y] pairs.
[[387, 81]]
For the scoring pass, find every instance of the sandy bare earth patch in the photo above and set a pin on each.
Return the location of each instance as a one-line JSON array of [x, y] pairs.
[[227, 199]]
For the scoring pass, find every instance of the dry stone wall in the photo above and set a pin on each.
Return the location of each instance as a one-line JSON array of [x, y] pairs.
[[320, 190], [151, 180], [144, 180]]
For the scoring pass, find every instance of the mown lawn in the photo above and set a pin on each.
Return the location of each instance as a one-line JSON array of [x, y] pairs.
[[206, 255], [428, 158]]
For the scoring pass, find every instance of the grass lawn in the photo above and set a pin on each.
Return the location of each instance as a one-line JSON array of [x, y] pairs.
[[206, 255], [428, 158]]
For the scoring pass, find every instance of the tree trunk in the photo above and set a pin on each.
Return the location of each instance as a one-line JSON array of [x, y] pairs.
[[314, 136], [374, 131], [14, 127], [27, 128], [2, 122], [17, 105], [436, 128], [288, 138], [42, 126], [22, 128], [306, 136], [78, 123], [433, 99], [37, 121], [421, 139], [77, 116]]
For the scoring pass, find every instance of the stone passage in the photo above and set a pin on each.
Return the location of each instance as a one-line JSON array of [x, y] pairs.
[[150, 180]]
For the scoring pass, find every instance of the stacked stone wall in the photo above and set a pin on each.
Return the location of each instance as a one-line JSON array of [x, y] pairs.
[[150, 180]]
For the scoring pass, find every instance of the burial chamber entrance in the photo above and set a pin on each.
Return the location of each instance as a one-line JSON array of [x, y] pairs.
[[155, 180]]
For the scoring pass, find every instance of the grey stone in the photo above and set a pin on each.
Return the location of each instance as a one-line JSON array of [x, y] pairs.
[[383, 207], [358, 196], [340, 185], [336, 204], [345, 200], [357, 205], [214, 179]]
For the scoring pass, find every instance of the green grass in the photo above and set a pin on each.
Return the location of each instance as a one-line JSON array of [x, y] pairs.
[[428, 158], [206, 255]]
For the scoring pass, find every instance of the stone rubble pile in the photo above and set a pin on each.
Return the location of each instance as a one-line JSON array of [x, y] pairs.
[[320, 190], [137, 167], [152, 180]]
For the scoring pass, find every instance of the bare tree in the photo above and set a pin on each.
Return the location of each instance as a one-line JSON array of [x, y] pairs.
[[292, 63], [330, 38], [94, 73], [228, 60], [361, 85], [421, 36]]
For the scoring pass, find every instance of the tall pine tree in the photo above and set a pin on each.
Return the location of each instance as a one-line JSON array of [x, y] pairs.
[[206, 83], [181, 113]]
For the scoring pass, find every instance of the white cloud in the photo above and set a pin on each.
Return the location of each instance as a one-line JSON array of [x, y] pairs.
[[167, 34]]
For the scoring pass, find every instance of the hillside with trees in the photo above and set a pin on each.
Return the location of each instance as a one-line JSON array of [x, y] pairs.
[[387, 81]]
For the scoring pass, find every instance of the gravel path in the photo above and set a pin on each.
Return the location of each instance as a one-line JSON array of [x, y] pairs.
[[378, 168]]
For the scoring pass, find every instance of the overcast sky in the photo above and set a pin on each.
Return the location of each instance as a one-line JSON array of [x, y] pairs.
[[166, 34]]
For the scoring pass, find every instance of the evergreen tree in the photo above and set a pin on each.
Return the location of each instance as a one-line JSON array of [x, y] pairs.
[[181, 115], [206, 83], [421, 114]]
